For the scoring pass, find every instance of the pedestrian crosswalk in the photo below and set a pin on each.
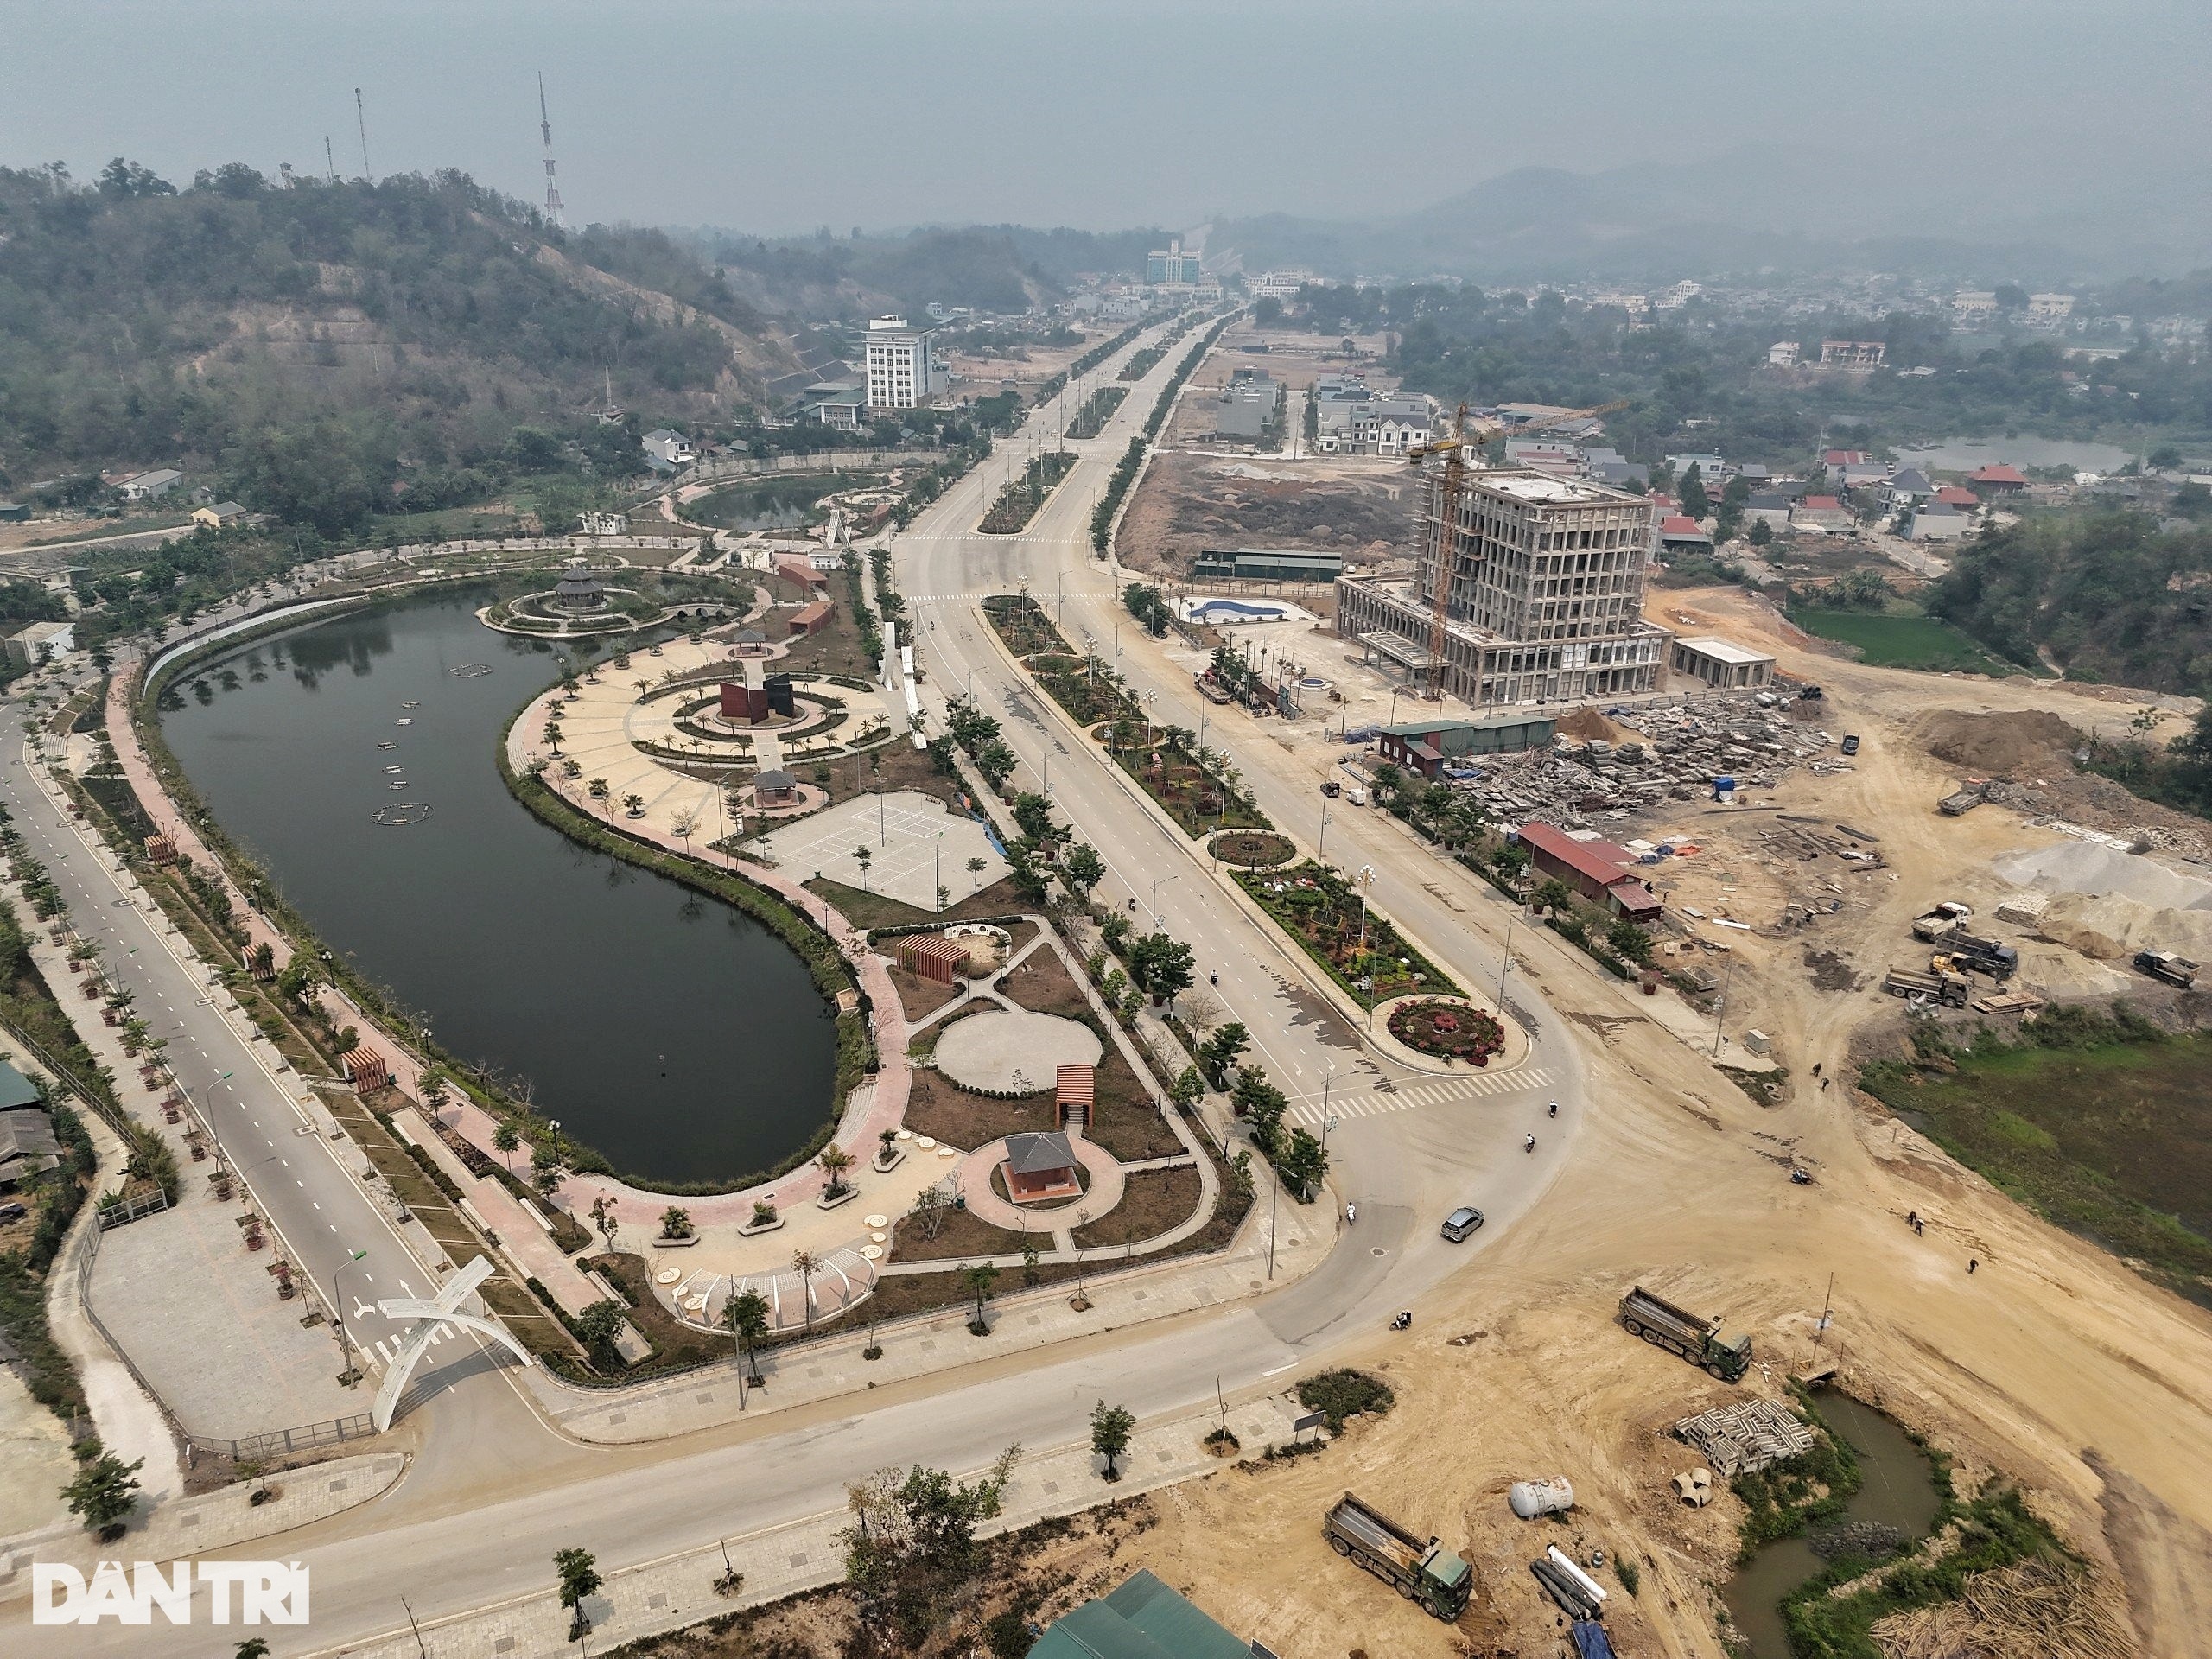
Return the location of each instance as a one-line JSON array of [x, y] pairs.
[[385, 1350], [1474, 1086], [1001, 593]]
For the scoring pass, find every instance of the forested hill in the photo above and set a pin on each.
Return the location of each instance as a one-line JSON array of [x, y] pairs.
[[352, 344], [2110, 597]]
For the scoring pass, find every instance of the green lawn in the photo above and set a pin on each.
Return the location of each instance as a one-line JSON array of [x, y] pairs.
[[2112, 1141], [1907, 640]]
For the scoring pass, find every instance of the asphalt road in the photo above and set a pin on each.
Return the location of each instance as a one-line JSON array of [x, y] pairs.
[[491, 1495]]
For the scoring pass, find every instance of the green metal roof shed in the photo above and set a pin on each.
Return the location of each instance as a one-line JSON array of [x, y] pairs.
[[1143, 1619], [16, 1090]]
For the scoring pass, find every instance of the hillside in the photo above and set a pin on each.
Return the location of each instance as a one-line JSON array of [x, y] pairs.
[[2110, 597], [331, 351]]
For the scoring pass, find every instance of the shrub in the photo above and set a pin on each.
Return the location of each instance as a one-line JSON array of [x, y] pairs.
[[1341, 1394]]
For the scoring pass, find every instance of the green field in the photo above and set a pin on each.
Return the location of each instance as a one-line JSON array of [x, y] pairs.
[[2112, 1141], [1910, 640]]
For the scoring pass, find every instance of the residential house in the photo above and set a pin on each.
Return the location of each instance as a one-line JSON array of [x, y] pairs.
[[1712, 471], [1934, 521], [1769, 507], [606, 523], [1783, 353], [1855, 354], [28, 1143], [1835, 461], [2049, 310], [1680, 535], [1904, 486], [1975, 305], [672, 449], [1997, 479], [219, 515], [1596, 870], [1246, 406], [144, 486], [41, 642], [1957, 495], [1825, 514], [1391, 426], [1545, 455], [13, 513]]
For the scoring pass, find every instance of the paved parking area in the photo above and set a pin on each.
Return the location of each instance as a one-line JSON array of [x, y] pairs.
[[915, 844]]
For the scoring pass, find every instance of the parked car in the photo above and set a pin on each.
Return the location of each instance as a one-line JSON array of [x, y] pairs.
[[1331, 788], [1461, 1222], [11, 1211]]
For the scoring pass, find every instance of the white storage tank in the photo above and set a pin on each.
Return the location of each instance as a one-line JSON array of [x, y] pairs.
[[1531, 1498]]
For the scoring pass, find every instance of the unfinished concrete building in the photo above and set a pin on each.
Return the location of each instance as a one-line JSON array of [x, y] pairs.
[[1546, 594]]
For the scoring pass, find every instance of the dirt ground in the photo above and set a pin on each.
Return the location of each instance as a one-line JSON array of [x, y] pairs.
[[1355, 506], [2053, 1364]]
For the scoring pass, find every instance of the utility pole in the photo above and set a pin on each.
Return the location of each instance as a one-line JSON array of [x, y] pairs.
[[1505, 964], [545, 134], [361, 118], [1826, 1302], [1720, 1012]]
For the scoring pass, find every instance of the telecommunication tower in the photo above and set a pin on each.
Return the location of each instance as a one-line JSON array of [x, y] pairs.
[[545, 134]]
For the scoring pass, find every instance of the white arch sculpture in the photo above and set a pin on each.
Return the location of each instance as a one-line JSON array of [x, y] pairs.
[[430, 1316]]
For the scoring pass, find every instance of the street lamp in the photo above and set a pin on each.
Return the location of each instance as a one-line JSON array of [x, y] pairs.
[[1324, 839], [1511, 917], [1363, 881], [338, 1313], [1157, 882]]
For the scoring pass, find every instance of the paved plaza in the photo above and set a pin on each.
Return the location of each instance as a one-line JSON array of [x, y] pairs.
[[1012, 1050], [915, 844]]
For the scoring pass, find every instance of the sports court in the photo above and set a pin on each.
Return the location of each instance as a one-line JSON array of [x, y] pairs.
[[914, 843]]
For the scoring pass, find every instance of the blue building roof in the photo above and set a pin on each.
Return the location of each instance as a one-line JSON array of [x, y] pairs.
[[1143, 1619]]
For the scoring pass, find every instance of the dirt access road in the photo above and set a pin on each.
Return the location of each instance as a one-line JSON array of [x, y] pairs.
[[2053, 1363]]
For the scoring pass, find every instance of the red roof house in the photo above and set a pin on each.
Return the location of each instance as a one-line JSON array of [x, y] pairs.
[[1957, 495], [1999, 478], [1596, 870]]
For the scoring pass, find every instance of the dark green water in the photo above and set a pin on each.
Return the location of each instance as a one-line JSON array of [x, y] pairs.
[[1895, 1489], [673, 1034]]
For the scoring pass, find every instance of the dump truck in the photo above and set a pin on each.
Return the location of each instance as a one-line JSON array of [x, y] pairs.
[[1951, 990], [1698, 1340], [1971, 952], [1426, 1572], [2164, 964], [1946, 917], [1851, 744]]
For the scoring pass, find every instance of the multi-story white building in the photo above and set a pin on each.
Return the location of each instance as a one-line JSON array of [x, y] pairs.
[[901, 371], [1170, 264], [1545, 595]]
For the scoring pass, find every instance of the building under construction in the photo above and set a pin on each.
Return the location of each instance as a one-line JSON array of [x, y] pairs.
[[1545, 600]]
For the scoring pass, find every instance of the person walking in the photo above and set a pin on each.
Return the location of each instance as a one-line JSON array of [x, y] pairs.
[[1529, 1143], [1972, 1263]]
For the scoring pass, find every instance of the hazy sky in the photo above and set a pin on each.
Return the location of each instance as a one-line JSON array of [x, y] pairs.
[[779, 115]]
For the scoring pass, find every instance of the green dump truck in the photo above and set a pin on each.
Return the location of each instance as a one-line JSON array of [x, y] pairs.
[[1698, 1340], [1426, 1572]]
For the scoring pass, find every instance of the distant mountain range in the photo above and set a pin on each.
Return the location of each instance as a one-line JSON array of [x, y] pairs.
[[1784, 209]]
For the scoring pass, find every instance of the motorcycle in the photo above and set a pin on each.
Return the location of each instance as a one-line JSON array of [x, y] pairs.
[[1528, 1143], [1351, 1214], [1401, 1321]]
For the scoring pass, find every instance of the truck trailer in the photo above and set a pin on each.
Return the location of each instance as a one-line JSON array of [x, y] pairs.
[[2164, 964], [1946, 917], [1698, 1340], [1426, 1572], [1970, 952], [1951, 990]]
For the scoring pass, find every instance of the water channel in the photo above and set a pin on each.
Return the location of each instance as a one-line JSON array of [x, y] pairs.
[[1896, 1489], [676, 1035]]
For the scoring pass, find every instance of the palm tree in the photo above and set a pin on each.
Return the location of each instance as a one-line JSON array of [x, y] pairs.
[[862, 857], [976, 868], [553, 737], [634, 806], [835, 1160], [806, 1264], [598, 790]]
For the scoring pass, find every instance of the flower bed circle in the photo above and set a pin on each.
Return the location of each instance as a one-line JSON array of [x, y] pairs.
[[1252, 849], [1452, 1031]]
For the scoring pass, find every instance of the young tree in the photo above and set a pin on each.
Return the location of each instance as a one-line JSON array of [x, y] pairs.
[[1082, 869], [1302, 1163], [579, 1578], [1262, 1105], [1110, 1428], [979, 1281], [976, 868], [545, 1168], [1695, 502], [863, 857], [599, 1327], [1188, 1090], [603, 1220], [105, 1490], [1219, 1052], [505, 1139], [1629, 941], [927, 1212], [744, 1316], [254, 1647], [806, 1264]]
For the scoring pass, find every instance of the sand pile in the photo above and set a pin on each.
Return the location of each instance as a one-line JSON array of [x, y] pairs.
[[2112, 928], [1584, 724], [2025, 747], [2054, 970]]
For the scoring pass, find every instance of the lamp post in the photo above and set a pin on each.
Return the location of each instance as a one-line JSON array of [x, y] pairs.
[[1324, 839], [1361, 881], [1157, 882], [338, 1313], [1721, 1010], [1510, 918]]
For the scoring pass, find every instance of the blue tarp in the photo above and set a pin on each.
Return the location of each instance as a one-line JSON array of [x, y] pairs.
[[1590, 1641]]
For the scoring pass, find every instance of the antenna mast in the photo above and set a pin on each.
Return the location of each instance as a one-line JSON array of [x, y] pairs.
[[329, 159], [361, 116], [545, 134]]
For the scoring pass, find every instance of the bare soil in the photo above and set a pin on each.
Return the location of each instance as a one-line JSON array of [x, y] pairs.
[[1189, 503], [1153, 1200]]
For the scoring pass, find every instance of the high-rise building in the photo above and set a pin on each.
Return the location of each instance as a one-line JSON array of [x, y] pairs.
[[901, 371], [1172, 265], [1545, 595]]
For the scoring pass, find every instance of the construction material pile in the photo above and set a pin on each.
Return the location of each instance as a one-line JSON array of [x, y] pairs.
[[1678, 750], [1750, 1436]]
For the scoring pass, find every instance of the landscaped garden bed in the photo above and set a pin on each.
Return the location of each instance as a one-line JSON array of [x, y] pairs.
[[1318, 907], [1153, 1201], [1453, 1031], [1097, 409], [1252, 849], [1199, 800], [1023, 498], [1018, 620]]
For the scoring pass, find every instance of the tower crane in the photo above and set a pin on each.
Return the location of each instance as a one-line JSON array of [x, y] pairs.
[[1444, 523]]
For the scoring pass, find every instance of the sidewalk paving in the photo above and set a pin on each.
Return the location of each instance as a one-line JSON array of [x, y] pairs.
[[652, 1597]]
